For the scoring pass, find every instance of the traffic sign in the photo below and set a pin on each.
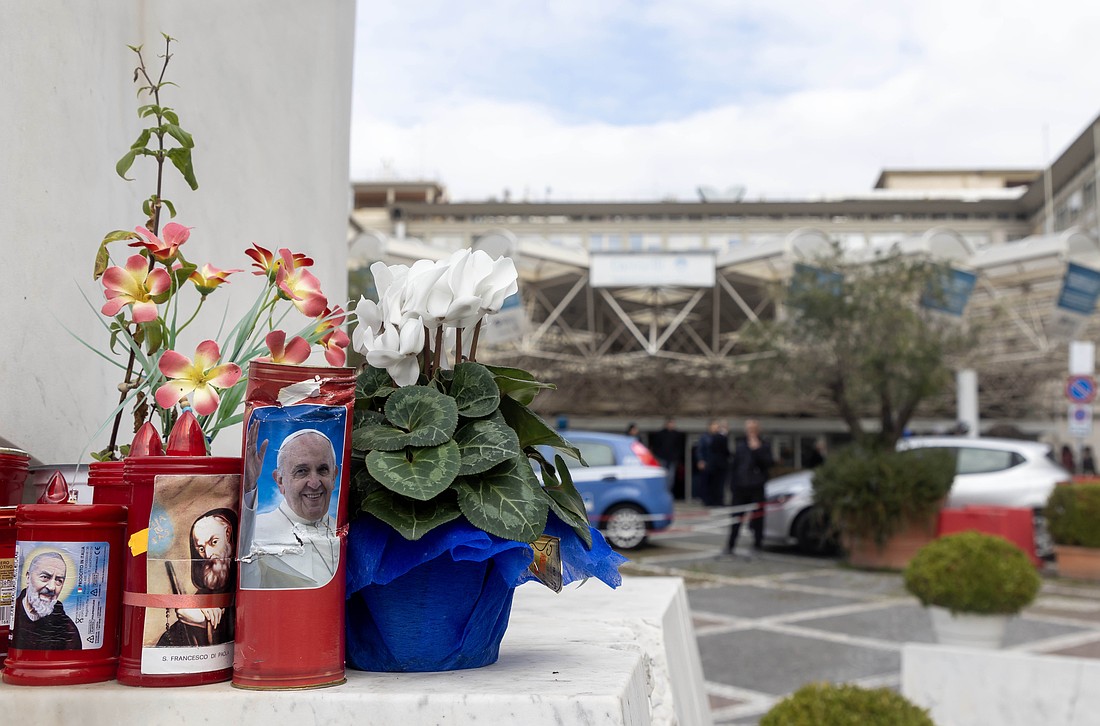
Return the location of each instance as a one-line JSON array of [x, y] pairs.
[[1079, 420], [1081, 389]]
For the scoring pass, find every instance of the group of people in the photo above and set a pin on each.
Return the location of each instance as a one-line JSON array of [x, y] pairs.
[[742, 468], [1069, 461]]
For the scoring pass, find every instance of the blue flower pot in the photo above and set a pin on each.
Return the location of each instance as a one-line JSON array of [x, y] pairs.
[[442, 602]]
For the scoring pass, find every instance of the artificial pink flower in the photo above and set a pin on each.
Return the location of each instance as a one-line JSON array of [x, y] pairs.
[[335, 340], [134, 285], [292, 353], [209, 277], [201, 378], [166, 247], [268, 264], [299, 286]]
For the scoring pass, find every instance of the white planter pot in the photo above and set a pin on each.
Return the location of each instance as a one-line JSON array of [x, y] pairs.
[[968, 630]]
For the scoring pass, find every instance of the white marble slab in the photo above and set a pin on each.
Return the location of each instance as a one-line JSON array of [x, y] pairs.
[[586, 656], [967, 687]]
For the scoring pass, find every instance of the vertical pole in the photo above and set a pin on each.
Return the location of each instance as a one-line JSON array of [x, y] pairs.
[[966, 392]]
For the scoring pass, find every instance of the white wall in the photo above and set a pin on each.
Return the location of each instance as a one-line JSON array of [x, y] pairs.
[[265, 88]]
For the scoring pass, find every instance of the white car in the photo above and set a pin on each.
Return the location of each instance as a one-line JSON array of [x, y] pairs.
[[989, 472]]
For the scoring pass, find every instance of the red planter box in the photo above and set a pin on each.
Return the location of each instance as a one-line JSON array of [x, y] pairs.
[[1015, 525]]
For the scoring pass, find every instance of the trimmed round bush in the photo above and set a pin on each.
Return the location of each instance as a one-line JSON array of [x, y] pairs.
[[826, 704], [1073, 515], [873, 493], [973, 572]]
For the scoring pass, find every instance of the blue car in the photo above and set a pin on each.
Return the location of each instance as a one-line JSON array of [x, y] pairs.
[[623, 487]]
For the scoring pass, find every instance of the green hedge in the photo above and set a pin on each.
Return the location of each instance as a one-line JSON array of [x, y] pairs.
[[1073, 515], [871, 493], [825, 704], [972, 572]]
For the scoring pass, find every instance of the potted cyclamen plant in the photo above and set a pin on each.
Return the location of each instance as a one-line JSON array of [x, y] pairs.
[[448, 509], [145, 298]]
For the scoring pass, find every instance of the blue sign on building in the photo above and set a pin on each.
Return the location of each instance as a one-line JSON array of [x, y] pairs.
[[1080, 289], [950, 293], [807, 277]]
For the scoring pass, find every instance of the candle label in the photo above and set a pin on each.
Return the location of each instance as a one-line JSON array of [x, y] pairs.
[[191, 576], [62, 598], [7, 590], [294, 461]]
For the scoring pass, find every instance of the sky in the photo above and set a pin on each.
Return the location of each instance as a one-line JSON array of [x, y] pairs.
[[590, 100]]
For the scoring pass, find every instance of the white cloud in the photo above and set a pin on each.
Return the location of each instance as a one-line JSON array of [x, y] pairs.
[[789, 99]]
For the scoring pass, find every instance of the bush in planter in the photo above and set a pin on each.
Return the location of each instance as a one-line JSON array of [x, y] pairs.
[[1073, 515], [826, 704], [873, 493], [972, 572]]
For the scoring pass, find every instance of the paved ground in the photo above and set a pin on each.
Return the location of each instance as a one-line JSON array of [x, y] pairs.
[[769, 625]]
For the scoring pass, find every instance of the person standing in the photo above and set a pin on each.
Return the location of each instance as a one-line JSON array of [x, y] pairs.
[[752, 458], [1088, 461], [1067, 459], [667, 446], [713, 462]]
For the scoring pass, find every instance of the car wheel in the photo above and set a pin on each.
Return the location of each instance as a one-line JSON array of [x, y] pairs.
[[624, 526], [815, 536]]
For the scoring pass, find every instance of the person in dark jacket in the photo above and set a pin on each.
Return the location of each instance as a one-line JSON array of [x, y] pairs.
[[713, 462], [752, 458]]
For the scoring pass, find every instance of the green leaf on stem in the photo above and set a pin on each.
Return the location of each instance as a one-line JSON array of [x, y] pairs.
[[474, 390], [419, 473], [102, 258], [171, 207], [506, 501], [429, 417], [485, 443], [181, 273], [149, 109], [181, 159], [365, 417], [125, 163], [180, 135], [154, 336], [142, 140], [518, 383], [379, 437], [533, 431], [412, 519], [170, 116]]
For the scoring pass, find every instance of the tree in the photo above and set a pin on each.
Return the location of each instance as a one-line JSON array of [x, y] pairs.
[[854, 332]]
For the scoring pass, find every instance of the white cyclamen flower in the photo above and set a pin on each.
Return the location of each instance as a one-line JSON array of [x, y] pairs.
[[396, 350], [369, 314]]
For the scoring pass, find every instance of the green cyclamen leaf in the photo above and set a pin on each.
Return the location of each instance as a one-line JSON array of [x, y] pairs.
[[417, 473], [411, 519], [533, 431], [566, 501], [505, 501], [517, 383], [474, 390], [485, 443], [379, 437], [429, 417], [373, 383]]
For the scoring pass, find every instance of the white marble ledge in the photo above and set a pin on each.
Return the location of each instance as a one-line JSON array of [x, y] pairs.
[[585, 656], [969, 687]]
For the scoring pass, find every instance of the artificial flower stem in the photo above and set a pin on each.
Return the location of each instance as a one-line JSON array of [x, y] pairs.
[[193, 316]]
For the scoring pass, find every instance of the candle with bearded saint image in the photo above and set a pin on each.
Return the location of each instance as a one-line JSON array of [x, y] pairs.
[[67, 579], [178, 618]]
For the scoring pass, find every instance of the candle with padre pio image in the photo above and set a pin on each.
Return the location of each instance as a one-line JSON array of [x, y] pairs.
[[68, 576], [293, 520]]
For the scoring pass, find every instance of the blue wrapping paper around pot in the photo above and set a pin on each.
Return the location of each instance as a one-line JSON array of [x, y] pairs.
[[442, 602]]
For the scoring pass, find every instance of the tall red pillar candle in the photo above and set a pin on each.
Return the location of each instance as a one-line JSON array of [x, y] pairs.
[[293, 519], [177, 620]]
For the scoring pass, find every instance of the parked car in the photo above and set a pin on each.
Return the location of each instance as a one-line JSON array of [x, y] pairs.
[[988, 471], [624, 489]]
